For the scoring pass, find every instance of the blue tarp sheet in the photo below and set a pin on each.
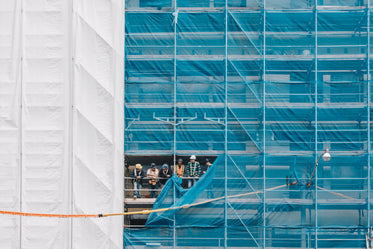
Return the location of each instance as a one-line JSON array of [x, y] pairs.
[[266, 86]]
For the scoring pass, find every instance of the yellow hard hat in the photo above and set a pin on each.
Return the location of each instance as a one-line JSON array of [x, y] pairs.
[[138, 166]]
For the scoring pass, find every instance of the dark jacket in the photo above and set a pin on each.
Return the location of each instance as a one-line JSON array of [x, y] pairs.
[[204, 168], [135, 173], [164, 176], [192, 170]]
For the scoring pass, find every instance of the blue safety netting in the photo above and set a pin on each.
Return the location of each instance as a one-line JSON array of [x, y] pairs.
[[266, 86]]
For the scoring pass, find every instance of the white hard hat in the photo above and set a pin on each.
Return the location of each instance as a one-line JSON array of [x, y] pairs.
[[193, 157]]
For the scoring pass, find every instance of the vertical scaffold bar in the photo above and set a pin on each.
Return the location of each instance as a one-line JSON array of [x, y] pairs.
[[175, 116], [368, 116], [226, 125], [264, 124], [316, 131]]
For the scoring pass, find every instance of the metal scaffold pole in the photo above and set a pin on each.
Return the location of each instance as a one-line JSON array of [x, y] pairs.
[[175, 14], [316, 130], [264, 124], [226, 125], [368, 120]]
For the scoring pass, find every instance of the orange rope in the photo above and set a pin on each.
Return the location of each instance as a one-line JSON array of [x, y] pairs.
[[154, 210], [52, 215]]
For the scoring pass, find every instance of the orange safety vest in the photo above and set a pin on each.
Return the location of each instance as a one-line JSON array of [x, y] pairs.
[[180, 170], [150, 172]]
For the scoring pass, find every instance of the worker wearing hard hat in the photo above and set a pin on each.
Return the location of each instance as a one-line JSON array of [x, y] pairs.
[[165, 174], [152, 175], [193, 171], [137, 174], [179, 168]]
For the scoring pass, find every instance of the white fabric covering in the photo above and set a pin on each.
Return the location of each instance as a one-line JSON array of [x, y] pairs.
[[61, 121]]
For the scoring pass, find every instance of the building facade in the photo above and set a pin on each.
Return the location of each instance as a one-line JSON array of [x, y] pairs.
[[266, 86]]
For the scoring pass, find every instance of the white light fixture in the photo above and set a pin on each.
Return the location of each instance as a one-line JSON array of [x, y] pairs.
[[326, 157]]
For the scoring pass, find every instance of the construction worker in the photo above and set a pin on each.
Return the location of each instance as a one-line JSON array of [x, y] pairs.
[[179, 168], [152, 175], [137, 174], [164, 174], [209, 189], [207, 166], [192, 169]]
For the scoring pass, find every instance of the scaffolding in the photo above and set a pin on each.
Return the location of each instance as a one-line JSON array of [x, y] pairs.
[[266, 85]]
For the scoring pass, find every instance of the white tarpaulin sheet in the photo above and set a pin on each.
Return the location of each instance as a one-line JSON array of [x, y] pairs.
[[61, 121]]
